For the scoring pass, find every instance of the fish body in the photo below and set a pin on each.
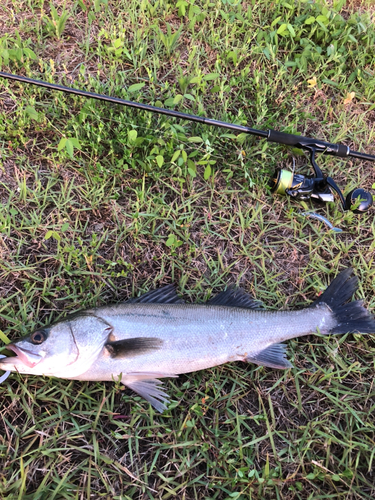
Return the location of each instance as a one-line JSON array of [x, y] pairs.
[[187, 338], [157, 335]]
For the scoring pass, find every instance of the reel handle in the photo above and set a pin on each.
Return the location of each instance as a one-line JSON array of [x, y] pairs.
[[364, 197]]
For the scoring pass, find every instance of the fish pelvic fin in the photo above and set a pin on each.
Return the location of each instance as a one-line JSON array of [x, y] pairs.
[[351, 317], [273, 356], [149, 387]]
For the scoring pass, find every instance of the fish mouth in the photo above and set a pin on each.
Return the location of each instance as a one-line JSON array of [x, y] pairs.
[[25, 356]]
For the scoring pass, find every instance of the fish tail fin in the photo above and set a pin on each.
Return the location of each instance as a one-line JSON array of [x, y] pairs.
[[351, 316]]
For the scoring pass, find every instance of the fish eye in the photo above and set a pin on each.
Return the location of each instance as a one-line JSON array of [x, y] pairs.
[[38, 337]]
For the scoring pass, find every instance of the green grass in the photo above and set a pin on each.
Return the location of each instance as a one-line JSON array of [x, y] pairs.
[[100, 203]]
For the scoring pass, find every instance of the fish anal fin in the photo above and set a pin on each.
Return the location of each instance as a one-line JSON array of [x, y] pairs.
[[164, 295], [131, 347], [149, 387], [273, 357], [235, 297]]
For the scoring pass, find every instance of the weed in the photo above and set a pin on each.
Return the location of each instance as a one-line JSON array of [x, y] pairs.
[[55, 25]]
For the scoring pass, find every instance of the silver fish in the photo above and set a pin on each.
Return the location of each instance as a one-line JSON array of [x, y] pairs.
[[157, 335]]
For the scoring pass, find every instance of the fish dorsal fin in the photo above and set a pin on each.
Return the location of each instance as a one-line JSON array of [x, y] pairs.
[[272, 356], [235, 297], [165, 295]]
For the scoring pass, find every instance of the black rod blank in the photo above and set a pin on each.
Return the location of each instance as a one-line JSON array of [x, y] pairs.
[[271, 135], [133, 104]]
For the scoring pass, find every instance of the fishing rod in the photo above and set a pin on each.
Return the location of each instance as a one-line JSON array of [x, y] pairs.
[[300, 187]]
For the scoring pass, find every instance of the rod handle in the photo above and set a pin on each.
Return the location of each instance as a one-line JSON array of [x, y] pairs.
[[299, 141]]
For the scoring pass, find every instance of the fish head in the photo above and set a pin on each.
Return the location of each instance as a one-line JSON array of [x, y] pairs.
[[65, 349], [42, 352]]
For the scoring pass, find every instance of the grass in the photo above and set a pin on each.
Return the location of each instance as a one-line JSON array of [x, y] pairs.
[[100, 203]]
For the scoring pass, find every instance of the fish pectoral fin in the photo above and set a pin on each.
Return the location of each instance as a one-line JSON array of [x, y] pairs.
[[148, 386], [235, 297], [273, 357], [131, 347]]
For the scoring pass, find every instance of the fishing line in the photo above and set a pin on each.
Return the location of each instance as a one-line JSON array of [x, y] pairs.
[[5, 375]]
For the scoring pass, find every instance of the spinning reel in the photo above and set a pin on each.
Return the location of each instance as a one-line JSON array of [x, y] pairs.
[[284, 182], [318, 187]]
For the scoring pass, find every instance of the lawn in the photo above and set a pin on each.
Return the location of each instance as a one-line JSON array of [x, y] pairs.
[[100, 203]]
